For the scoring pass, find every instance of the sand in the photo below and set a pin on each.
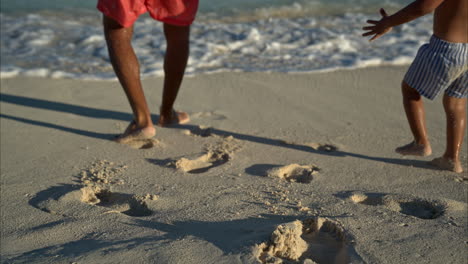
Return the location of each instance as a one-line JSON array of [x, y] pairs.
[[272, 168]]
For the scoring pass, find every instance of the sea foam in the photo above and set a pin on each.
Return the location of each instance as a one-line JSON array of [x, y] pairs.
[[58, 47]]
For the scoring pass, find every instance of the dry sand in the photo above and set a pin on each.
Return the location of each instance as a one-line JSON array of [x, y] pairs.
[[277, 168]]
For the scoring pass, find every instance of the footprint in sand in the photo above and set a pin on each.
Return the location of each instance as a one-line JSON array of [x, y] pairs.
[[461, 179], [97, 181], [416, 207], [143, 143], [313, 145], [368, 198], [294, 173], [315, 240], [131, 205], [213, 115], [322, 147], [200, 131], [203, 163], [102, 172], [215, 156], [94, 189]]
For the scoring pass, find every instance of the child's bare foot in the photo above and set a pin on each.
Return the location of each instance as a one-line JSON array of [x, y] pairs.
[[414, 149], [447, 164], [173, 118], [134, 133]]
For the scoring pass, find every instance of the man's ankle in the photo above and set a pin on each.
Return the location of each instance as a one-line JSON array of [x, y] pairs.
[[422, 142], [166, 112], [144, 123], [453, 158]]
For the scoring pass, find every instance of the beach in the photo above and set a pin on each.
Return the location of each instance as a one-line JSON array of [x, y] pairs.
[[261, 150]]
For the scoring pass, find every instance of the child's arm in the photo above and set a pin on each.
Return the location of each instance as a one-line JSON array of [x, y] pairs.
[[414, 10]]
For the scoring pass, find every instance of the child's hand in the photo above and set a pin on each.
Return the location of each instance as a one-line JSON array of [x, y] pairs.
[[380, 27]]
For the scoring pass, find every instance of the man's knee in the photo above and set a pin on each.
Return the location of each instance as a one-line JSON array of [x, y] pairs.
[[177, 35], [115, 33], [409, 92]]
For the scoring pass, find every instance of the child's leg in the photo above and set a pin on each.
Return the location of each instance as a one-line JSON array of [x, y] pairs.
[[177, 53], [455, 111], [414, 108], [127, 69]]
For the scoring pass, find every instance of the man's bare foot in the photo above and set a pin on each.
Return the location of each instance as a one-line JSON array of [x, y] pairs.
[[414, 149], [447, 164], [173, 118], [133, 132]]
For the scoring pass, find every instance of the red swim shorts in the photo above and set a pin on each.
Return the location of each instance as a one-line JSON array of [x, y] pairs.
[[126, 12]]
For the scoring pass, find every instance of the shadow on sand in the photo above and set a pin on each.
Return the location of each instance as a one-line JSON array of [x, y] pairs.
[[122, 116]]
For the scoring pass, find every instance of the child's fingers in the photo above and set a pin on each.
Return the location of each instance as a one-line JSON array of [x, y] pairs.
[[368, 33], [375, 37], [368, 28], [372, 22], [383, 13]]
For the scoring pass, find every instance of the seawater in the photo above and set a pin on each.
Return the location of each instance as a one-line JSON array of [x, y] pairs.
[[49, 39]]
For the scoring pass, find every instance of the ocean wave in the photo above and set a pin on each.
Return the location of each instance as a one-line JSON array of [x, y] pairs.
[[57, 47]]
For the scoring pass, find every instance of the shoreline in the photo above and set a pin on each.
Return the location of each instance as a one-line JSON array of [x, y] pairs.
[[42, 74]]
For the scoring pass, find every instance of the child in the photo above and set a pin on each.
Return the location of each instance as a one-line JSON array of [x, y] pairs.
[[119, 17], [440, 65]]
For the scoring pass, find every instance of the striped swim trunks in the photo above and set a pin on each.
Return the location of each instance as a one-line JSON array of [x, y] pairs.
[[173, 12], [440, 66]]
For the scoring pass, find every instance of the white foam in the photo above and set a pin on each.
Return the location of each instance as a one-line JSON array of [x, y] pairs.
[[9, 72], [41, 40], [93, 39], [38, 72], [49, 46], [61, 75], [402, 60]]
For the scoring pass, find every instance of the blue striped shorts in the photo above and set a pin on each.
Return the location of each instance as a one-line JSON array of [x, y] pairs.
[[440, 66]]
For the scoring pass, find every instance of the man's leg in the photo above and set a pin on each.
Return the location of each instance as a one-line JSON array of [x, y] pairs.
[[455, 111], [414, 108], [127, 69], [177, 52]]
